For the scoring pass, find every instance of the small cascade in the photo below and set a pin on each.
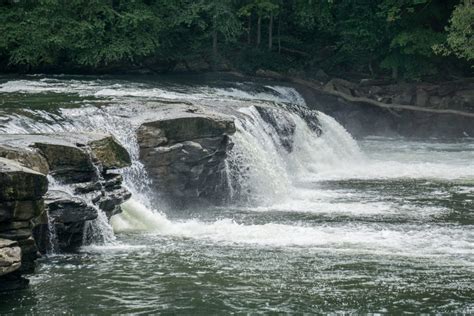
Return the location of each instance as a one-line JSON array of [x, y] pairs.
[[52, 242], [97, 231]]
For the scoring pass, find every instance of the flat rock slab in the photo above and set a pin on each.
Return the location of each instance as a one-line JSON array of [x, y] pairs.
[[179, 126], [70, 156]]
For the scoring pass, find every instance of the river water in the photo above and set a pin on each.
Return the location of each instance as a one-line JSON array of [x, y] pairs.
[[377, 225]]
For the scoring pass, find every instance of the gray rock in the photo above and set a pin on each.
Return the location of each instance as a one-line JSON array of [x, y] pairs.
[[65, 208], [184, 154], [28, 157], [421, 97], [284, 127], [10, 265], [73, 157], [18, 183], [82, 160], [10, 256], [67, 213]]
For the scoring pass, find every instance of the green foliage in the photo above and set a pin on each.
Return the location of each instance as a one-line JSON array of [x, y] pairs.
[[414, 26], [49, 32], [460, 38], [411, 38]]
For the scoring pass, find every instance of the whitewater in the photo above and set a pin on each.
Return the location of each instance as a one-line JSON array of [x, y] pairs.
[[331, 224]]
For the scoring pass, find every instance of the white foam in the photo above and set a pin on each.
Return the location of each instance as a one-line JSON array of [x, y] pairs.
[[107, 89], [407, 240]]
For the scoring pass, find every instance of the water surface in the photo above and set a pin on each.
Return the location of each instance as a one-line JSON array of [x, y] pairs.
[[381, 225]]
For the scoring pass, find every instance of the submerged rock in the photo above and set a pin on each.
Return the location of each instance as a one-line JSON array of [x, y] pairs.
[[184, 153]]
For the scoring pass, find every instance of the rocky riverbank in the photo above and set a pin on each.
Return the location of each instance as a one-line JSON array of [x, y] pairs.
[[385, 108], [32, 170]]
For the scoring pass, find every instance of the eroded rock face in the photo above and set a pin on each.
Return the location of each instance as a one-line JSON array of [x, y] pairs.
[[68, 214], [71, 158], [184, 154], [85, 162], [362, 120], [21, 202]]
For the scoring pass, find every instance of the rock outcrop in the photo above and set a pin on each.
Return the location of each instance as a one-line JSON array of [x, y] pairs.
[[82, 167], [85, 161], [69, 215], [82, 163], [21, 204], [387, 108], [184, 154]]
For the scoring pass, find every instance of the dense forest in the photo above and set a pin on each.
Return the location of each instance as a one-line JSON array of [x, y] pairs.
[[406, 39]]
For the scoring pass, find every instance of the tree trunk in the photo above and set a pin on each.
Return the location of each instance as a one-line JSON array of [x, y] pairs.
[[249, 30], [270, 32], [214, 48], [395, 72], [279, 35], [259, 30]]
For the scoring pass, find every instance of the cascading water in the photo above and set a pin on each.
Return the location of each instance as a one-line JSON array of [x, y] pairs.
[[316, 222], [260, 170]]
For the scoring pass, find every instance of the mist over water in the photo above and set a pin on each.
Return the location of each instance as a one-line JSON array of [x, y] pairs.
[[335, 225]]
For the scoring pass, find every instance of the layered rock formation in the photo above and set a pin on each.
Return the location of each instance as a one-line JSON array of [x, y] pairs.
[[82, 168], [85, 161], [21, 205], [386, 108], [184, 153]]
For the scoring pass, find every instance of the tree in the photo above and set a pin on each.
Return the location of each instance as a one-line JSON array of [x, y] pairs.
[[414, 26], [460, 33], [263, 9]]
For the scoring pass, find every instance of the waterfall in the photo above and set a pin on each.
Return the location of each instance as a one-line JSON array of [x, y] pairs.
[[270, 157], [263, 168]]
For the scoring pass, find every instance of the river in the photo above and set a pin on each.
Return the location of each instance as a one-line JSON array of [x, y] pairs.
[[375, 225]]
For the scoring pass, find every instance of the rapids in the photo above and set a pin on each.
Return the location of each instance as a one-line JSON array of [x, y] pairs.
[[380, 225]]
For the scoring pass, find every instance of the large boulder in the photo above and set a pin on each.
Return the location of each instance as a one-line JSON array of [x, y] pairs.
[[184, 154], [18, 183]]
